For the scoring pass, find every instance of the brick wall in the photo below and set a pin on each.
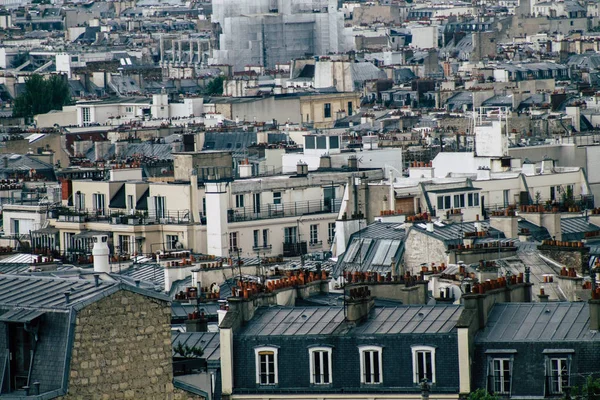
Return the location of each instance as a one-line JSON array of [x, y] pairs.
[[122, 350]]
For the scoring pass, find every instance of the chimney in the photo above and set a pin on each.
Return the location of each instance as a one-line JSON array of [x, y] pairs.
[[325, 162], [120, 149], [543, 297], [100, 253], [199, 324], [245, 169], [507, 223], [195, 278], [594, 307], [359, 304], [430, 226], [478, 226], [301, 168], [352, 163]]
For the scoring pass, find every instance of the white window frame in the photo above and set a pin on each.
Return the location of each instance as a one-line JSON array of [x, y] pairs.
[[551, 378], [361, 351], [86, 115], [171, 241], [233, 240], [314, 233], [275, 351], [330, 232], [492, 374], [416, 351], [239, 201], [327, 353]]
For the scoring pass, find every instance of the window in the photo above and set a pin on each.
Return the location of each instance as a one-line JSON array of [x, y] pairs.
[[99, 205], [447, 202], [440, 202], [256, 238], [459, 201], [160, 206], [321, 142], [314, 233], [423, 364], [123, 244], [505, 195], [266, 365], [130, 203], [334, 142], [327, 110], [309, 141], [86, 115], [171, 242], [233, 241], [557, 374], [370, 364], [552, 193], [256, 202], [320, 365], [290, 234], [265, 238], [499, 374], [129, 109], [331, 232], [276, 197], [349, 108], [79, 201], [239, 201], [473, 200]]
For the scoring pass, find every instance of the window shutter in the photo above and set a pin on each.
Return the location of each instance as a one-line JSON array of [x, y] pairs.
[[490, 375], [152, 206]]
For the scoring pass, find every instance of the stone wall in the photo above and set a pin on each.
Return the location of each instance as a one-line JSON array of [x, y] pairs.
[[122, 350], [570, 257], [422, 248]]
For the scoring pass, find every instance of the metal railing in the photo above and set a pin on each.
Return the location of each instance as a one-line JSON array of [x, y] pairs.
[[582, 202], [295, 209], [120, 217]]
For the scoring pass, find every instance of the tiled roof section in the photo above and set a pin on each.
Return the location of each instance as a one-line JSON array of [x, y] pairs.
[[538, 322], [410, 320], [207, 341], [295, 321], [575, 228]]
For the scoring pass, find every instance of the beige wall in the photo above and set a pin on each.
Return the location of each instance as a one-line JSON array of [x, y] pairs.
[[314, 107]]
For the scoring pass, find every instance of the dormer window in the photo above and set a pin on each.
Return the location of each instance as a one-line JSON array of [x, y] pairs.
[[371, 365], [320, 365], [266, 365]]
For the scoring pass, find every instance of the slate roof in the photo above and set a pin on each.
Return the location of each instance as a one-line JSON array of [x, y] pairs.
[[286, 321], [575, 228], [410, 319], [48, 293], [307, 321], [207, 341], [538, 322], [537, 233]]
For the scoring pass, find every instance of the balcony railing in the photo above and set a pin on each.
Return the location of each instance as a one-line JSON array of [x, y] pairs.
[[119, 217], [283, 210]]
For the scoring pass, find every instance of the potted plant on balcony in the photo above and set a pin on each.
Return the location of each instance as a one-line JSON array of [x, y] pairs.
[[117, 217]]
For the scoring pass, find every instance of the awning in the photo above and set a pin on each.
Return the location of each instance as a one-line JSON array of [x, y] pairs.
[[20, 315], [89, 234], [46, 231]]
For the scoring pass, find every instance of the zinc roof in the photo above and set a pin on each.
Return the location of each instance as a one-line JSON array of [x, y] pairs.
[[207, 341], [538, 322]]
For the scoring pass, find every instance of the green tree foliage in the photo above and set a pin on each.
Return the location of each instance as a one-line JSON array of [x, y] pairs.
[[482, 394], [41, 95], [589, 391], [215, 87], [186, 351]]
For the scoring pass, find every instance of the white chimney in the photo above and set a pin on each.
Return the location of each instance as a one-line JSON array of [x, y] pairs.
[[429, 226], [478, 226], [101, 253], [195, 282]]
